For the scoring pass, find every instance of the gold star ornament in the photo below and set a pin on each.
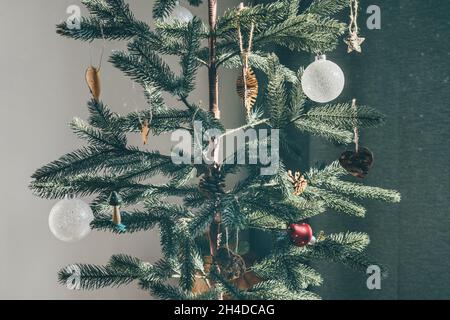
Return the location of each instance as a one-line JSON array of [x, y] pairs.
[[354, 42]]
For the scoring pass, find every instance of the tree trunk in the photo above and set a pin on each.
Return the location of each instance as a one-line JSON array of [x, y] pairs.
[[213, 75]]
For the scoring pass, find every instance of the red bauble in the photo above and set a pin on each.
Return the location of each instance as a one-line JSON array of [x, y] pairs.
[[301, 234]]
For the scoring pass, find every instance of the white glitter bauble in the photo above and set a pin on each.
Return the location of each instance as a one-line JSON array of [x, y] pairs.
[[323, 80], [179, 13], [70, 220]]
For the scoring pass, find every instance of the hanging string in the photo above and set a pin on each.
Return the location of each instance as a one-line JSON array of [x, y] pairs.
[[244, 54], [353, 26], [102, 49], [227, 243], [353, 40], [356, 130], [237, 241]]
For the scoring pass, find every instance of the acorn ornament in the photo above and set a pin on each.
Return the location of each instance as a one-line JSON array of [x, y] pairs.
[[301, 234], [93, 81], [115, 200]]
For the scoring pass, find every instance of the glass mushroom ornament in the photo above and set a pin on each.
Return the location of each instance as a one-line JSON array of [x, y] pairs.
[[323, 80]]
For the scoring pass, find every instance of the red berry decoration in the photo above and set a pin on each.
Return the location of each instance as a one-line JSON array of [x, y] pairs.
[[301, 234]]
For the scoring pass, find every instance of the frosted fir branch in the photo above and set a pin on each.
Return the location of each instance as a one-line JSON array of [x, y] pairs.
[[97, 137], [337, 202], [289, 270], [275, 290], [361, 191], [307, 32], [327, 131], [94, 277], [82, 161], [146, 67], [163, 8], [327, 7], [345, 116]]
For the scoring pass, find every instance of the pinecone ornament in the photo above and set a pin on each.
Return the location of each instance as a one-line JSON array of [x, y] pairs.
[[213, 182]]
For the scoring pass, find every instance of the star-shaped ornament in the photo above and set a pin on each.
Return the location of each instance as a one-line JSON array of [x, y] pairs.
[[354, 42]]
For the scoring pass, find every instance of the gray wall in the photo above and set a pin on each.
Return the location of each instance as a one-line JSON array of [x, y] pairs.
[[403, 72], [41, 88]]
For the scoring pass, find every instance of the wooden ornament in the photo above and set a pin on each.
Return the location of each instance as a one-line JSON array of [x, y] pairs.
[[232, 265], [251, 82], [93, 81], [357, 163], [145, 131], [247, 281], [298, 181]]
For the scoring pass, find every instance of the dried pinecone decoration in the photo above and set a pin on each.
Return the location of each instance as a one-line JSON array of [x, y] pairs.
[[213, 182], [298, 181], [252, 89], [232, 266], [358, 163]]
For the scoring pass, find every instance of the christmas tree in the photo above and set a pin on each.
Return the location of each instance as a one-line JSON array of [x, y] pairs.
[[199, 212]]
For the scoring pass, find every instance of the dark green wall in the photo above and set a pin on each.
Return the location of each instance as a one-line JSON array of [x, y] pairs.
[[404, 71]]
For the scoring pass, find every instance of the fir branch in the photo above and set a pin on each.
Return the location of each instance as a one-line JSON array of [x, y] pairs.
[[86, 160], [361, 191], [135, 222], [229, 287], [186, 257], [327, 131], [201, 220], [289, 270], [113, 21], [327, 7], [189, 62], [345, 248], [163, 8], [336, 202], [94, 277], [232, 217], [346, 117], [96, 137], [274, 290], [262, 62], [307, 32], [276, 100], [165, 291], [146, 67]]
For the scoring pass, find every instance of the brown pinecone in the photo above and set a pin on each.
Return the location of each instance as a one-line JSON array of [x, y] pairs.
[[212, 183]]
